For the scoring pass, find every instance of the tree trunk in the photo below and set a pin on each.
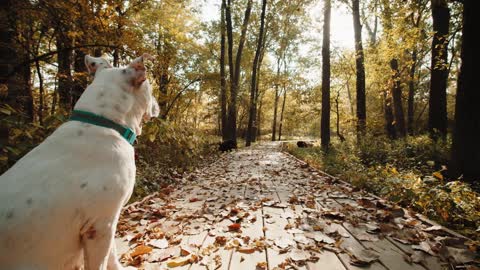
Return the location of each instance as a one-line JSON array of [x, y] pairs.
[[163, 85], [253, 86], [337, 111], [41, 94], [232, 109], [397, 99], [259, 118], [325, 121], [223, 82], [80, 76], [281, 113], [349, 95], [437, 112], [389, 121], [64, 76], [411, 93], [257, 93], [360, 69], [54, 96], [275, 102], [465, 148]]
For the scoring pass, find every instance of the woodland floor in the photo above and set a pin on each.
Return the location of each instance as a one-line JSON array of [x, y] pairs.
[[259, 208]]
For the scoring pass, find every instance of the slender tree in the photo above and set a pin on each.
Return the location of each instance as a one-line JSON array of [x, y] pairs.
[[223, 82], [389, 119], [275, 101], [64, 59], [411, 93], [437, 110], [325, 119], [360, 70], [397, 99], [280, 126], [466, 148], [253, 86], [232, 108]]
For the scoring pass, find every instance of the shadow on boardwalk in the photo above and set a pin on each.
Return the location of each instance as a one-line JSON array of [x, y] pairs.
[[259, 208]]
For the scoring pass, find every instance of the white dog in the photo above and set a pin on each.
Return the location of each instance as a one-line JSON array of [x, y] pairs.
[[59, 205]]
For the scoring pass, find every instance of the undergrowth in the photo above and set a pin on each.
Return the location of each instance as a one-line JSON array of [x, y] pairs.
[[409, 172], [164, 152]]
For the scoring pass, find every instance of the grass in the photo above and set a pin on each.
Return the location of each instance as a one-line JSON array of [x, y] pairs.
[[408, 172]]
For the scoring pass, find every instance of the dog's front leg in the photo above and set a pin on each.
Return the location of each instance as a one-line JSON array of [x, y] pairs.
[[97, 243], [113, 263]]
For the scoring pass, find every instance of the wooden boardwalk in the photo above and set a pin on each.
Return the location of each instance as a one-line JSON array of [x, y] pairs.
[[259, 208]]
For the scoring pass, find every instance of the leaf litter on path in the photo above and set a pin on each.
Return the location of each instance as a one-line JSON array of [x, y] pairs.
[[213, 211]]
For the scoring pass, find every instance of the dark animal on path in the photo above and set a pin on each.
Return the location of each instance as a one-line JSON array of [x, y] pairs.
[[303, 144], [227, 146]]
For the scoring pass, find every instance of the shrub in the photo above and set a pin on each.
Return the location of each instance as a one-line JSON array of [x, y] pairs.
[[405, 172]]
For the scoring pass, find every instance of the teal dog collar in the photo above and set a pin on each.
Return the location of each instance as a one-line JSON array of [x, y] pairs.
[[97, 120]]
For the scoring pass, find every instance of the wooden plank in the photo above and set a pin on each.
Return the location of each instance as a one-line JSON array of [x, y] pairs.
[[390, 256], [342, 260], [275, 231], [430, 262], [242, 261]]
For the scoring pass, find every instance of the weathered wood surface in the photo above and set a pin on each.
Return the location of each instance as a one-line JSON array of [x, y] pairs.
[[259, 208]]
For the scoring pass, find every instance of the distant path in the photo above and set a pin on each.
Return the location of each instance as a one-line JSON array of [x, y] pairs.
[[288, 214]]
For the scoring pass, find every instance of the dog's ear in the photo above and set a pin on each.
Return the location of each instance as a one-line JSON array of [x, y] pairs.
[[138, 64], [95, 64]]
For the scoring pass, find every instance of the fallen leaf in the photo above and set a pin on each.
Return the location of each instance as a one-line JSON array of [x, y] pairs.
[[438, 175], [185, 251], [159, 243], [140, 250], [181, 261], [362, 257], [433, 228], [284, 242], [424, 246], [262, 265], [323, 238], [297, 255], [300, 238], [220, 240], [246, 250]]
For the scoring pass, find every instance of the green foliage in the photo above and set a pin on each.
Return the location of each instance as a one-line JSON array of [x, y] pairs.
[[408, 172], [22, 137], [166, 150]]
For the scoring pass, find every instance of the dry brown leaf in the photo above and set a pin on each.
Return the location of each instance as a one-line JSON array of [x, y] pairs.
[[140, 250], [246, 250], [220, 240], [234, 227], [181, 261], [262, 265]]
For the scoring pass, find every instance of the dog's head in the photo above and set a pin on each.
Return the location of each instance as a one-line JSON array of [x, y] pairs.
[[127, 88]]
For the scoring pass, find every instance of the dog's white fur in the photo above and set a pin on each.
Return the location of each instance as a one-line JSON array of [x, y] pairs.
[[59, 205]]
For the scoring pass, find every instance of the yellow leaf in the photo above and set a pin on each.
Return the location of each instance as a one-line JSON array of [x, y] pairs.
[[178, 262], [140, 250], [438, 175], [262, 265], [181, 261]]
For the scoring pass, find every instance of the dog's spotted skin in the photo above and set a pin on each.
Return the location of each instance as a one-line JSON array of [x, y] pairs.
[[59, 205]]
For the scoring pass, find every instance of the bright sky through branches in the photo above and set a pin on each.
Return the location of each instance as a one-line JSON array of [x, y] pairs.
[[341, 24]]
